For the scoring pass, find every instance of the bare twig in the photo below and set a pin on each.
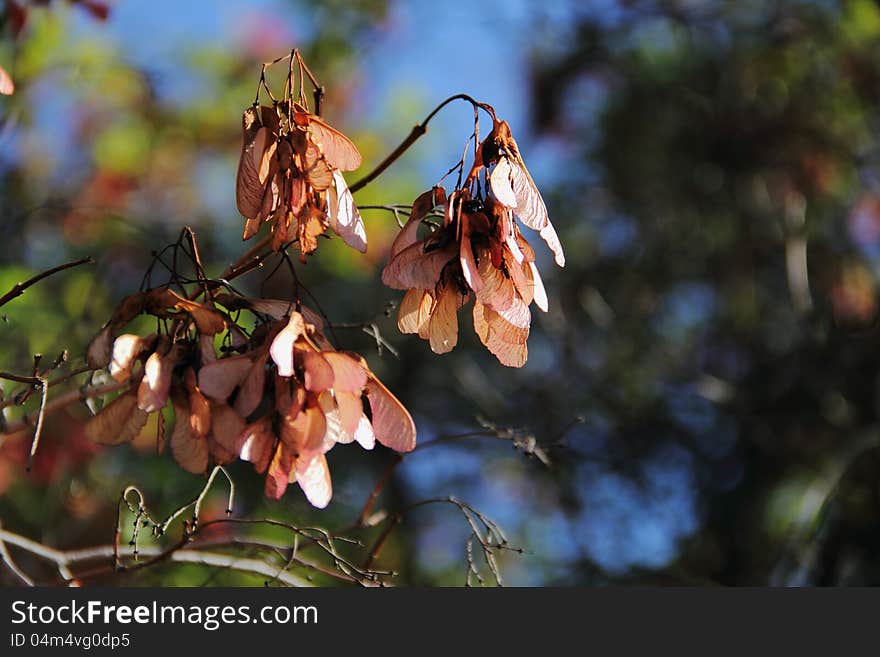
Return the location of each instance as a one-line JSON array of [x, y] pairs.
[[60, 402], [485, 531], [19, 288], [415, 133], [41, 411], [10, 563], [65, 560]]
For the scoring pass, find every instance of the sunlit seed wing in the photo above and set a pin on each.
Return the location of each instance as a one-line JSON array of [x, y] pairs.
[[281, 349], [255, 444], [521, 275], [126, 348], [334, 434], [443, 326], [156, 384], [501, 184], [412, 267], [348, 374], [540, 294], [548, 233], [7, 87], [503, 339], [425, 202], [316, 168], [339, 150], [304, 432], [313, 477], [351, 410], [529, 206], [318, 372], [207, 319], [415, 309], [469, 264], [344, 216], [497, 290], [364, 433], [392, 424]]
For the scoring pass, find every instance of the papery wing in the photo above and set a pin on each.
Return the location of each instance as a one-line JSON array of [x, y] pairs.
[[351, 410], [540, 294], [318, 373], [393, 426], [255, 443], [412, 267], [443, 326], [548, 233], [316, 169], [126, 348], [279, 472], [226, 427], [313, 477], [344, 216], [505, 340], [156, 385], [248, 187], [250, 394], [217, 380], [349, 375], [364, 433], [281, 349], [415, 310], [118, 422], [7, 86], [339, 150], [529, 205], [189, 449]]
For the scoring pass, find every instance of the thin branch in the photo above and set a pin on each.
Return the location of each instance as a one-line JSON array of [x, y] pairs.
[[415, 133], [377, 490], [10, 563], [60, 402], [66, 559], [41, 411], [490, 536], [19, 288]]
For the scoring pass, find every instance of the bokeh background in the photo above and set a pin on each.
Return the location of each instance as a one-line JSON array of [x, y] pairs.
[[700, 405]]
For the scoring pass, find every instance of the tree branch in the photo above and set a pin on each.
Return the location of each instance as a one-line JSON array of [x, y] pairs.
[[19, 288], [415, 133]]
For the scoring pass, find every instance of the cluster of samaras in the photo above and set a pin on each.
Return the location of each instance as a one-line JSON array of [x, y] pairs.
[[476, 250], [289, 174], [280, 397]]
